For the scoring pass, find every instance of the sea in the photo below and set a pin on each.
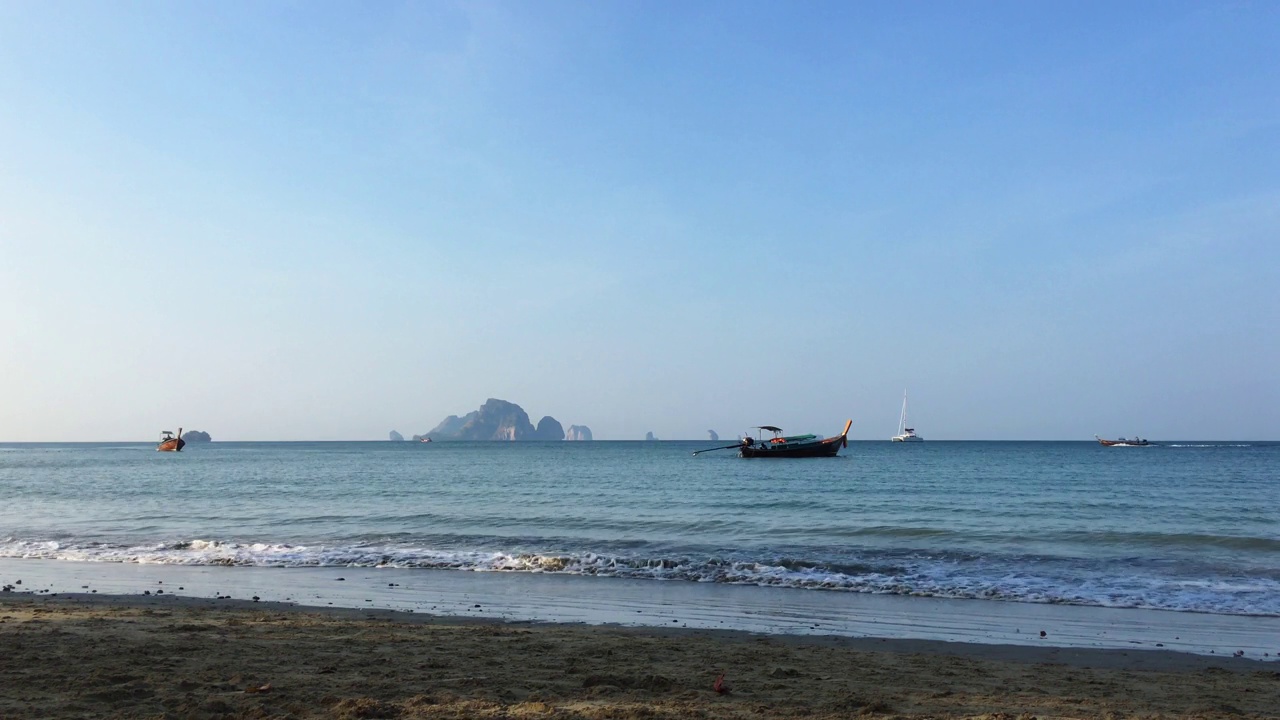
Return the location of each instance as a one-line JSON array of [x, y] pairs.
[[896, 535]]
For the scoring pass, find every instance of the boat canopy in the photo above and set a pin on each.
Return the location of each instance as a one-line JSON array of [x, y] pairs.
[[770, 428]]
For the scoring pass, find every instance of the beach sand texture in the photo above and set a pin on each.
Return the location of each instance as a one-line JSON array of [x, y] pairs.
[[192, 658]]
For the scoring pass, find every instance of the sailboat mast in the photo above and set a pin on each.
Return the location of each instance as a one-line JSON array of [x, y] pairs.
[[902, 420]]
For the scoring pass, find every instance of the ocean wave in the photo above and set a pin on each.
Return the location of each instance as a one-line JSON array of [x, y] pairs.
[[1190, 541], [1015, 579]]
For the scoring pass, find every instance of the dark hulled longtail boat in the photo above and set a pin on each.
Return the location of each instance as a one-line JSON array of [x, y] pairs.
[[793, 446], [171, 443]]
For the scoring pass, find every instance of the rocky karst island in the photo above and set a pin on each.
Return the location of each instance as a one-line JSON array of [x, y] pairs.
[[500, 420]]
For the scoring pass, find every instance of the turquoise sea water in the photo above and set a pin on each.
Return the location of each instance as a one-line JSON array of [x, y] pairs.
[[1187, 526]]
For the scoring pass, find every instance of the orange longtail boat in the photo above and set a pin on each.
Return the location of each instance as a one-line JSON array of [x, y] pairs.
[[171, 443]]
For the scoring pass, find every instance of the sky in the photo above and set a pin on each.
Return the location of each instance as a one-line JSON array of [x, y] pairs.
[[328, 220]]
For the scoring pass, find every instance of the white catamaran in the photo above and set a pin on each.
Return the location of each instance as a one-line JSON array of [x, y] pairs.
[[905, 434]]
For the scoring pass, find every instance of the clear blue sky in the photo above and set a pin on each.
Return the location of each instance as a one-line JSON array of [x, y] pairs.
[[311, 220]]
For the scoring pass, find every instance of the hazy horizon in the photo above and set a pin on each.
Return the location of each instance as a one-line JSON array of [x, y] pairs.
[[1155, 442], [326, 221]]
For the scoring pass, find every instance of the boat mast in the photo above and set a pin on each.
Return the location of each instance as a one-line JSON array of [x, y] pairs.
[[902, 421]]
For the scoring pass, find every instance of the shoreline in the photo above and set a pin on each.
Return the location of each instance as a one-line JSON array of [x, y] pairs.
[[175, 656], [1137, 658], [572, 599]]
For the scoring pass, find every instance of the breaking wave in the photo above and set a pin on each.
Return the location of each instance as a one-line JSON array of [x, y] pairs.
[[965, 576]]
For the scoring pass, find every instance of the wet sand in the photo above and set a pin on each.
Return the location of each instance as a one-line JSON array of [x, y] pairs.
[[569, 599], [183, 657]]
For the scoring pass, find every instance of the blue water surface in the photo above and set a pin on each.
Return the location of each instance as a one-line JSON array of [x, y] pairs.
[[1188, 526]]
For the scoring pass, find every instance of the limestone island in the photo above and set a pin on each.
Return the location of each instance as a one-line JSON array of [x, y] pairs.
[[195, 436], [502, 420]]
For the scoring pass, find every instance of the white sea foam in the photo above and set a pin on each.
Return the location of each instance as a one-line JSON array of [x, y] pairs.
[[923, 577]]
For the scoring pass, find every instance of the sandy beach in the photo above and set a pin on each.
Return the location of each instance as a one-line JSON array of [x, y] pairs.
[[181, 657]]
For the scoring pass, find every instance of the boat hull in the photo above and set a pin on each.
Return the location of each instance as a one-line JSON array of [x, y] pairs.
[[174, 445]]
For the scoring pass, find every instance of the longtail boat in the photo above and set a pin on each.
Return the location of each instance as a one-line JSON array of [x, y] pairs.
[[171, 443], [793, 446], [788, 446]]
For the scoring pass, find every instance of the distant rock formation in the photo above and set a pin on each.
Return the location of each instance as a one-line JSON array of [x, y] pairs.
[[396, 437], [499, 420], [715, 437], [649, 436], [549, 429], [578, 432], [196, 436]]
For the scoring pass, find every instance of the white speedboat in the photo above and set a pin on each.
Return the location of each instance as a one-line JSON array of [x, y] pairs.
[[1123, 442], [905, 434]]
